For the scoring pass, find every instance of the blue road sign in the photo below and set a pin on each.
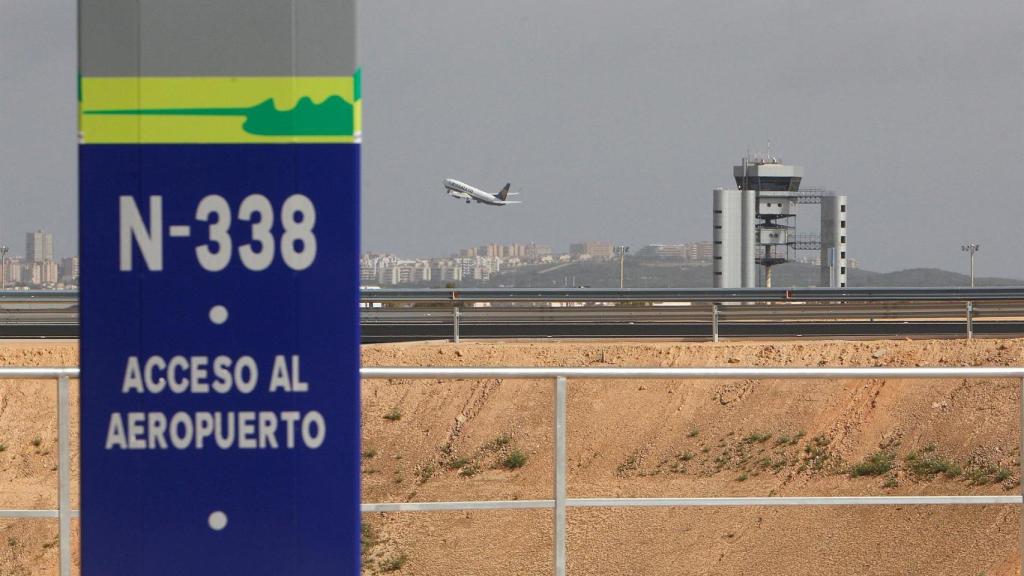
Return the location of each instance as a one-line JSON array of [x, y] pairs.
[[220, 392]]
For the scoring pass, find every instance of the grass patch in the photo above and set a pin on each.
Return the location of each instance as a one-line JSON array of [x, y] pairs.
[[742, 477], [693, 433], [425, 473], [686, 456], [874, 465], [516, 459], [499, 442], [37, 441], [394, 563], [928, 464], [816, 453], [367, 538], [787, 440], [369, 453], [459, 462], [3, 447], [631, 464], [756, 437], [393, 415], [890, 482], [469, 470]]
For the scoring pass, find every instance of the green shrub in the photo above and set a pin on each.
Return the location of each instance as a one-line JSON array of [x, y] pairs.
[[874, 465], [469, 470], [1002, 475], [928, 464], [514, 460], [393, 415]]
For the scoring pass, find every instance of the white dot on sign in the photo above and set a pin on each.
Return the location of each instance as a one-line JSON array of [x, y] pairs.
[[218, 520], [218, 314]]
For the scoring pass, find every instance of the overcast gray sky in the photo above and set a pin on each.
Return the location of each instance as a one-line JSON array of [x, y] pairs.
[[616, 120]]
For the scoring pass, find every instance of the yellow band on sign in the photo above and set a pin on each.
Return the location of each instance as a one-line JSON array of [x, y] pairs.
[[208, 110]]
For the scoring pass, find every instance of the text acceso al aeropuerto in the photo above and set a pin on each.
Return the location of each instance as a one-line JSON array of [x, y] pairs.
[[225, 430]]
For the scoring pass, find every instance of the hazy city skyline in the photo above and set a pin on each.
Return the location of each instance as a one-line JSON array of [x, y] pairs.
[[615, 122]]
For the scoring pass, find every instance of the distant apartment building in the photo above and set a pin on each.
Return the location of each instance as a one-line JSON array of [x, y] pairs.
[[665, 251], [410, 272], [446, 272], [32, 274], [534, 252], [12, 271], [701, 251], [38, 246], [688, 252], [480, 268], [69, 270], [524, 252], [591, 250]]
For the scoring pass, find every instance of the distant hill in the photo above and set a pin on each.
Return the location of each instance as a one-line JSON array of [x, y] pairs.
[[924, 277], [665, 274]]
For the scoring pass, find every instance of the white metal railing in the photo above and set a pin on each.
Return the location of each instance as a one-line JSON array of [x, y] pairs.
[[560, 501]]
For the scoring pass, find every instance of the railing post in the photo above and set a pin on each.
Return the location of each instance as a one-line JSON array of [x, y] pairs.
[[64, 475], [455, 322], [714, 322], [970, 320], [560, 472]]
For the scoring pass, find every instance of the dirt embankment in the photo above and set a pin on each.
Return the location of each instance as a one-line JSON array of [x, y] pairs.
[[28, 456], [492, 439], [443, 440]]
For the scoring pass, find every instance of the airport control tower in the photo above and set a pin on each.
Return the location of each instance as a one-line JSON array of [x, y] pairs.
[[754, 225]]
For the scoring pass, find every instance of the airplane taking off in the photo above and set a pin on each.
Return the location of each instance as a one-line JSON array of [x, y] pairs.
[[468, 193]]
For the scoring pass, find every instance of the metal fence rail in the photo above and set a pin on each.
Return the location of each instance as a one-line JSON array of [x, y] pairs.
[[560, 501]]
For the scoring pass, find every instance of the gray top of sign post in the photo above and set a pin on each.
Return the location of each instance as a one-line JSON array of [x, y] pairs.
[[217, 37]]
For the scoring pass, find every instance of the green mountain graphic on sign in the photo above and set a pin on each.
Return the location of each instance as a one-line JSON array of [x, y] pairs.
[[332, 117]]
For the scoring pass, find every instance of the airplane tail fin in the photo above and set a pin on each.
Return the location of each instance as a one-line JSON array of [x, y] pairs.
[[504, 191]]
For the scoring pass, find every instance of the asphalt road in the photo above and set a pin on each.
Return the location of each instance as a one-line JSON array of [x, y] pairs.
[[397, 332], [380, 332]]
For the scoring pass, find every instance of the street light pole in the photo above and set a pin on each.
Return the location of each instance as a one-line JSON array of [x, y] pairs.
[[621, 251], [3, 267], [971, 248]]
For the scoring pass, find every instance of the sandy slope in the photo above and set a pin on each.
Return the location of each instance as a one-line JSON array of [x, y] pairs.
[[660, 438], [447, 441]]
